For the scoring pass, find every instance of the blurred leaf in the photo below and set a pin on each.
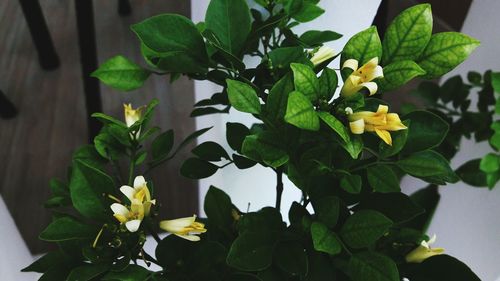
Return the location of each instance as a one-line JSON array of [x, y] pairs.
[[363, 46], [67, 228], [291, 257], [470, 173]]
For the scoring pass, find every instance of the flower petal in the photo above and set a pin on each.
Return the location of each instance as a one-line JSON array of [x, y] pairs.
[[139, 182], [193, 238], [128, 191], [351, 63], [119, 209], [177, 225], [371, 86], [357, 127], [384, 135], [133, 225]]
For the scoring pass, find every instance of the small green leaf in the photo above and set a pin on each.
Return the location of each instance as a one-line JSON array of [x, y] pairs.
[[325, 240], [396, 206], [495, 81], [363, 46], [327, 209], [235, 135], [46, 262], [490, 163], [335, 124], [281, 58], [122, 74], [243, 97], [265, 147], [351, 183], [446, 51], [210, 151], [300, 112], [398, 74], [408, 34], [278, 97], [354, 146], [308, 12], [364, 228], [328, 82], [218, 208], [67, 228], [315, 37], [195, 168], [471, 174], [372, 266], [305, 81], [383, 179], [162, 145]]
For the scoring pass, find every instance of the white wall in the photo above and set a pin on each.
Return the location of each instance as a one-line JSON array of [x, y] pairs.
[[467, 221], [256, 186]]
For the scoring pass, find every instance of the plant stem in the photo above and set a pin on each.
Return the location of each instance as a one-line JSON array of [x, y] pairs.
[[131, 168], [279, 187]]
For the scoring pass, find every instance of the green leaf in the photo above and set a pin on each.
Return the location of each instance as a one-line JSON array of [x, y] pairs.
[[470, 173], [243, 97], [281, 58], [87, 272], [398, 74], [267, 219], [242, 162], [398, 142], [231, 22], [327, 209], [490, 163], [67, 228], [364, 228], [495, 81], [122, 74], [351, 183], [218, 208], [315, 38], [87, 187], [56, 273], [305, 81], [308, 12], [325, 240], [189, 139], [363, 46], [335, 124], [443, 268], [235, 135], [328, 82], [383, 179], [446, 51], [426, 130], [265, 147], [195, 168], [396, 206], [354, 146], [131, 273], [278, 97], [372, 266], [252, 251], [162, 145], [408, 34], [429, 166], [211, 151], [291, 257], [224, 51], [427, 198], [174, 43], [46, 262], [300, 112]]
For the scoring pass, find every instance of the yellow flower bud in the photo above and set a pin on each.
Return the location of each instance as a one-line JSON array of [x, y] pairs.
[[423, 251], [323, 54], [186, 228], [361, 77]]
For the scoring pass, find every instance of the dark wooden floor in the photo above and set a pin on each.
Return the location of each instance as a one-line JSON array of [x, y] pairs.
[[37, 145]]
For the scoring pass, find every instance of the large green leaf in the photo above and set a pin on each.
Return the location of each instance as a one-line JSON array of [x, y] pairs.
[[162, 145], [335, 124], [87, 272], [252, 251], [328, 82], [67, 228], [196, 168], [300, 112], [363, 47], [372, 266], [121, 73], [396, 206], [327, 210], [325, 240], [87, 187], [278, 97], [210, 151], [243, 97], [408, 34], [399, 73], [231, 22], [235, 135], [398, 142], [265, 147], [291, 257], [174, 43], [315, 37], [470, 173], [429, 166], [443, 268], [426, 130], [351, 183], [305, 81], [46, 262], [383, 179], [446, 51], [364, 228], [218, 208]]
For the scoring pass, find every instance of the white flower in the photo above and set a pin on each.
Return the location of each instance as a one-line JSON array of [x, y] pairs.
[[139, 192], [131, 218], [186, 228], [323, 54]]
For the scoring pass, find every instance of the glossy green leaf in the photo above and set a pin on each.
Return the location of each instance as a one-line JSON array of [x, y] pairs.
[[87, 187], [278, 97], [446, 51], [243, 97], [398, 74], [300, 112], [443, 268], [354, 146], [162, 145], [122, 74], [490, 163], [266, 148], [383, 179], [396, 206], [174, 43], [308, 12], [372, 266], [46, 262], [408, 34], [315, 37], [231, 22], [351, 183], [218, 208], [428, 165], [364, 228], [195, 168], [470, 173], [210, 151], [335, 124], [398, 142], [363, 46], [67, 228], [86, 272], [305, 81], [426, 130], [324, 240], [252, 251], [327, 210], [235, 135], [328, 82]]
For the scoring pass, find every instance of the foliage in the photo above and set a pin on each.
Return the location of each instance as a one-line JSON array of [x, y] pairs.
[[353, 222]]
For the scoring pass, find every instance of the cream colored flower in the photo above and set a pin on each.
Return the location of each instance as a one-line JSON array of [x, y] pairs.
[[323, 54], [379, 122], [132, 115], [361, 77], [132, 217], [139, 192], [186, 228], [424, 251]]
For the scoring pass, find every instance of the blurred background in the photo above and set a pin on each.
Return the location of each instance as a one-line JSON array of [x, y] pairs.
[[44, 114]]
